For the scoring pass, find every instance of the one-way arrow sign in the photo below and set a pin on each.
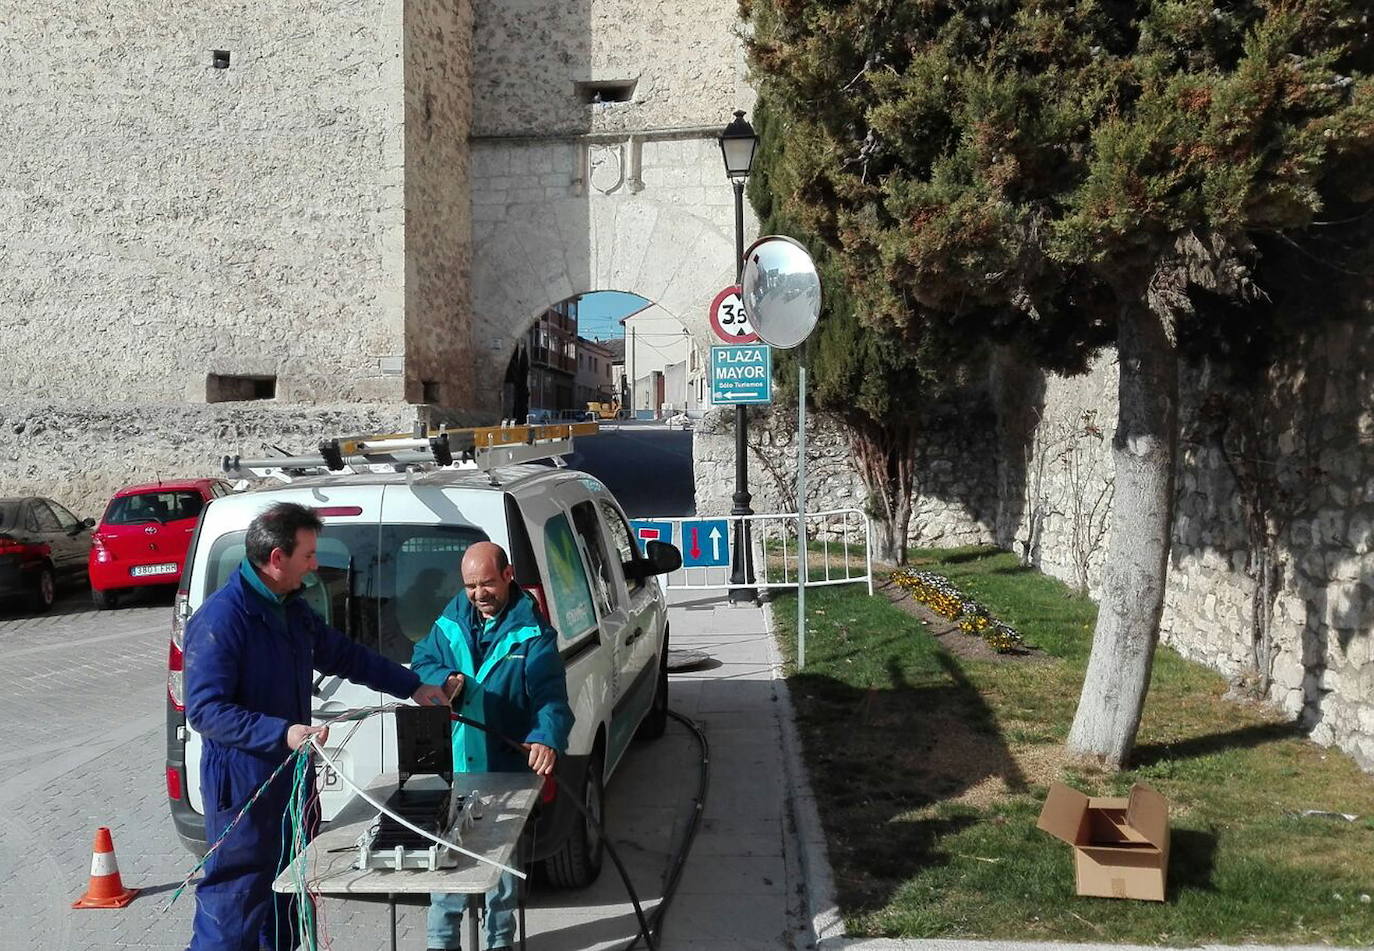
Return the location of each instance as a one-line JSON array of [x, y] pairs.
[[706, 543]]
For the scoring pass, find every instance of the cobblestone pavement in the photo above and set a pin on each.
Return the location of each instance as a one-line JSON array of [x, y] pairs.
[[82, 743]]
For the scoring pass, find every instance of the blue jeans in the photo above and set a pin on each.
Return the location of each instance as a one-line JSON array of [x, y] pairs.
[[445, 918]]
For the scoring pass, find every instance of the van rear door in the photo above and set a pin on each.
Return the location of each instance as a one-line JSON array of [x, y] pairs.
[[424, 531]]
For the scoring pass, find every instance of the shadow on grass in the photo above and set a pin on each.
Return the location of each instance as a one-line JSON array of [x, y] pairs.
[[881, 757], [1192, 861], [1243, 738], [959, 556], [1014, 570]]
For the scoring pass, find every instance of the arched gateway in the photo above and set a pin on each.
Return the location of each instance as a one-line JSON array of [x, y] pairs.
[[601, 229]]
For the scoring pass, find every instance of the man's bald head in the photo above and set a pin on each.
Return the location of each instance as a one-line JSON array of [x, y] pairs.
[[487, 577]]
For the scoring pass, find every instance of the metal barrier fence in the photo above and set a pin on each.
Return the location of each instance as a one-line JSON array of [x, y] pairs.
[[838, 550]]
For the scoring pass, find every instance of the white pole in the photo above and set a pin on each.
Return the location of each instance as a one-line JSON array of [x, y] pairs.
[[868, 552], [801, 515]]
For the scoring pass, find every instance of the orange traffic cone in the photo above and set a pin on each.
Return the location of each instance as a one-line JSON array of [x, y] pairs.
[[106, 890]]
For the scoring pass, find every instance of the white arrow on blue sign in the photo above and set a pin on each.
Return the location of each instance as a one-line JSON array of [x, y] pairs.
[[705, 544]]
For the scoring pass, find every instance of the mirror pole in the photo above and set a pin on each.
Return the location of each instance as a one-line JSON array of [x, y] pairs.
[[742, 558]]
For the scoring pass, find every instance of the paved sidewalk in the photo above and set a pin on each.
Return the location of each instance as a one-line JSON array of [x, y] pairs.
[[743, 886]]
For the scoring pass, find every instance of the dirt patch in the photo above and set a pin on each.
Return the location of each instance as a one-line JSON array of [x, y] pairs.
[[948, 635]]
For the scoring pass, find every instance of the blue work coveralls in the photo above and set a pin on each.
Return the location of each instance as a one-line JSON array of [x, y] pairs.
[[514, 682], [249, 660]]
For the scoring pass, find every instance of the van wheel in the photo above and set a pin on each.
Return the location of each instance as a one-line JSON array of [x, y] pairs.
[[104, 600], [44, 591], [655, 722], [578, 862]]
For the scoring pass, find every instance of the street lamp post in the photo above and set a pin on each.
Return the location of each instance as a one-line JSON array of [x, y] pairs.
[[737, 144]]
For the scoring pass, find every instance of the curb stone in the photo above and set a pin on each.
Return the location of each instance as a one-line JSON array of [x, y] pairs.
[[827, 925]]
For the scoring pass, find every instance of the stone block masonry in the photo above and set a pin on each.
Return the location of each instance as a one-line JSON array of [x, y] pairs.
[[955, 503], [165, 220], [81, 455]]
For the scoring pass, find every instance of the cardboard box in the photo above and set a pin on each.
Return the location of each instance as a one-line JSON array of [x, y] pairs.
[[1120, 846]]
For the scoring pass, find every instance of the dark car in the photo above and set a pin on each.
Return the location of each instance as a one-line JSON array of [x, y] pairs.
[[42, 546]]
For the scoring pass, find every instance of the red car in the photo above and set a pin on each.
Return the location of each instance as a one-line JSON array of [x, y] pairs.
[[143, 536]]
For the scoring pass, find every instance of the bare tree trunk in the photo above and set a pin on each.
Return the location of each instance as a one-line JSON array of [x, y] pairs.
[[887, 465], [1143, 450]]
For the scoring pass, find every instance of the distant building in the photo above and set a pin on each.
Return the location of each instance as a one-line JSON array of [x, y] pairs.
[[664, 362], [551, 345], [594, 380]]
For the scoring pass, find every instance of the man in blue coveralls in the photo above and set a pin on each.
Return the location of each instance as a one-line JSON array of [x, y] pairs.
[[250, 651], [492, 649]]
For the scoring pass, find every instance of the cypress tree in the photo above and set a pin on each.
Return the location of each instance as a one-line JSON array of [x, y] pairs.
[[1064, 174]]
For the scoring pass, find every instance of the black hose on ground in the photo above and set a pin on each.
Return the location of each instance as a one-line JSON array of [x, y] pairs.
[[675, 873]]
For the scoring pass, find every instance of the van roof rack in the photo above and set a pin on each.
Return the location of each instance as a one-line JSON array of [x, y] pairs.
[[480, 447]]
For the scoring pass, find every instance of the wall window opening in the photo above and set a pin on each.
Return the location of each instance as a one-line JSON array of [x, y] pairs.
[[605, 90], [228, 388]]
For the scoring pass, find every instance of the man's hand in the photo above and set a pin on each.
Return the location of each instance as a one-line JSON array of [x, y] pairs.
[[453, 686], [298, 733], [431, 695], [541, 757]]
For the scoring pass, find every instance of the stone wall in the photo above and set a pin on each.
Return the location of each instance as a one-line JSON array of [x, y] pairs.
[[80, 456], [685, 60], [1274, 480], [438, 223], [955, 502], [162, 220]]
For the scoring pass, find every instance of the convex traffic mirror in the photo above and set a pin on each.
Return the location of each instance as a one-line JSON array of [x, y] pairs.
[[781, 291]]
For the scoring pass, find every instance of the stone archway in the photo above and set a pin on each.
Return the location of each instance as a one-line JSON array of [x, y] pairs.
[[650, 216]]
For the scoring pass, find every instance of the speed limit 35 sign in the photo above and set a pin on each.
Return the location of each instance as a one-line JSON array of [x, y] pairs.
[[728, 320]]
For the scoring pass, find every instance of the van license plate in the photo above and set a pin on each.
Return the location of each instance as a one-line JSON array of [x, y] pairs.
[[140, 571]]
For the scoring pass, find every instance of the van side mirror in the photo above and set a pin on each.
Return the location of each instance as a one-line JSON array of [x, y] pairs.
[[660, 558]]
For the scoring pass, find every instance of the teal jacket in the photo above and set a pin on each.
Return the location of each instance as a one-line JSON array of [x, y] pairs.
[[514, 681]]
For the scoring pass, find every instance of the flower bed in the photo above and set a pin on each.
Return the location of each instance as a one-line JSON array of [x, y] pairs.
[[937, 593]]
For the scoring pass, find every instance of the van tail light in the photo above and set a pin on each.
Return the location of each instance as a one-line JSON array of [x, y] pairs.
[[173, 783], [176, 661], [175, 676], [181, 610], [549, 792], [540, 600]]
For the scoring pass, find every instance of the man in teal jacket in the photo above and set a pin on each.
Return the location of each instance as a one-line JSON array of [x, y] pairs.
[[499, 658]]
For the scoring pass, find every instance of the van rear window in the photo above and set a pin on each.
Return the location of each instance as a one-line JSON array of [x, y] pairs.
[[382, 587]]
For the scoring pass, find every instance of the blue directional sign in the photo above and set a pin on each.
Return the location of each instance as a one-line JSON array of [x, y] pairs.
[[651, 532], [741, 375], [705, 544]]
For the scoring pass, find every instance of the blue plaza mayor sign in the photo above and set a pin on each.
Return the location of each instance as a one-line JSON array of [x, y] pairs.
[[741, 374], [705, 543]]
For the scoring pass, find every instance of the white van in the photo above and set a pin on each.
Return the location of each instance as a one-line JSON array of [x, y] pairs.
[[389, 563]]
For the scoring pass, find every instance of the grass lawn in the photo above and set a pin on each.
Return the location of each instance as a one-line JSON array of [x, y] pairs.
[[930, 768]]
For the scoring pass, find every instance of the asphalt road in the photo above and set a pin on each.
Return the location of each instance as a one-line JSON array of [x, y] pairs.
[[647, 466]]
